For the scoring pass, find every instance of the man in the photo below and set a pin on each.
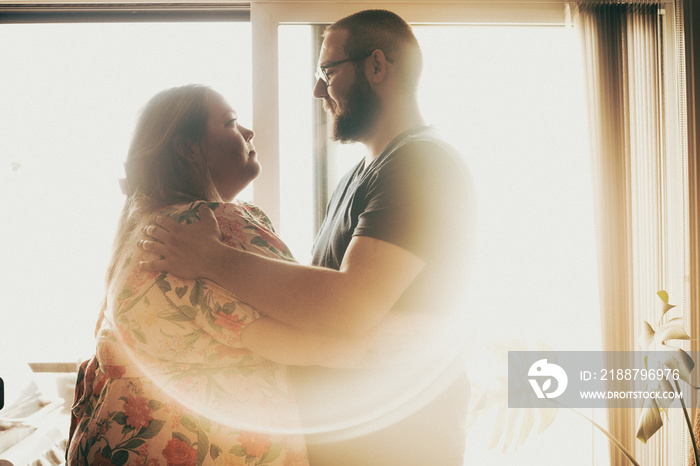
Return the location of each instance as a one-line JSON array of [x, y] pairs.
[[397, 235]]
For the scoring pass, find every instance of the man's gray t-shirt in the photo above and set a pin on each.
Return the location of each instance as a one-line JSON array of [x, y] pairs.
[[417, 194]]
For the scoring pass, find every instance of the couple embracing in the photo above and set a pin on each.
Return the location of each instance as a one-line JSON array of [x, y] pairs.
[[214, 346]]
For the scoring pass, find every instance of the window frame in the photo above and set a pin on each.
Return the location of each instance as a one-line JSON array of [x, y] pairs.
[[267, 16], [65, 12]]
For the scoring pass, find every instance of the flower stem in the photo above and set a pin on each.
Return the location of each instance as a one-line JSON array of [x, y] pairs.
[[690, 426], [612, 439]]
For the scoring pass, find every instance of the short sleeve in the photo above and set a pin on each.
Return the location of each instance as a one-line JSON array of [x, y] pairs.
[[205, 304], [246, 227], [413, 196], [257, 213]]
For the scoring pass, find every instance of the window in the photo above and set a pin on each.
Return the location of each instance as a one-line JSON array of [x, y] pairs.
[[69, 97]]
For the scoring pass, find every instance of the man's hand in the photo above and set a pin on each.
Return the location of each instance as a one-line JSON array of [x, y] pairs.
[[184, 250]]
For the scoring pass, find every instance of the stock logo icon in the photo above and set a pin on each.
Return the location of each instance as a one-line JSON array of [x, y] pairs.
[[542, 370]]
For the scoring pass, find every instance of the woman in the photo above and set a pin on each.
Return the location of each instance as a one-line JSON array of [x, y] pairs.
[[172, 380]]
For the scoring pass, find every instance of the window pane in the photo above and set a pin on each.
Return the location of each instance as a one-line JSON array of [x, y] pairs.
[[296, 151], [69, 97], [513, 103]]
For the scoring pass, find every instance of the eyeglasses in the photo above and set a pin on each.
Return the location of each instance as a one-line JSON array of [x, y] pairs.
[[321, 69]]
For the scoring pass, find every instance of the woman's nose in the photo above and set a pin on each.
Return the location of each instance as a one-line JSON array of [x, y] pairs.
[[248, 134]]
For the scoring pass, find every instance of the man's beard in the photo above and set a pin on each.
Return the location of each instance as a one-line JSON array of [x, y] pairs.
[[359, 114]]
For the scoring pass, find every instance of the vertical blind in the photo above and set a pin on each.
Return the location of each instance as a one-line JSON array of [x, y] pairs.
[[638, 186]]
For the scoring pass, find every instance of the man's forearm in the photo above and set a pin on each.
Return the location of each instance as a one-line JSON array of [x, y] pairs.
[[310, 298]]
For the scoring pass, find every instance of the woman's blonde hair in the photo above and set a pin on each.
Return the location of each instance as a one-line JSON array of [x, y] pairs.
[[161, 167]]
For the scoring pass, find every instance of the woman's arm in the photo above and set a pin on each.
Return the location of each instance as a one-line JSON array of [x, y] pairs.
[[348, 302]]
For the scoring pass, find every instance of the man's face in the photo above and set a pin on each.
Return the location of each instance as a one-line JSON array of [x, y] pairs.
[[348, 96]]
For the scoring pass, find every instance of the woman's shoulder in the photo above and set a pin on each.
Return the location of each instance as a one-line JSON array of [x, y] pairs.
[[189, 212], [258, 214]]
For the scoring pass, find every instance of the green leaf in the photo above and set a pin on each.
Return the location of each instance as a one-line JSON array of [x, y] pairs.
[[120, 418], [126, 293], [107, 451], [155, 405], [650, 420], [146, 301], [679, 360], [513, 426], [127, 429], [211, 320], [215, 451], [238, 450], [191, 338], [133, 444], [188, 311], [229, 308], [189, 422], [181, 290], [163, 283], [152, 430], [204, 305], [139, 335], [646, 338], [202, 446], [672, 330], [272, 454], [205, 424], [652, 340], [197, 292], [182, 438], [665, 306], [174, 317], [663, 295], [258, 241], [120, 458]]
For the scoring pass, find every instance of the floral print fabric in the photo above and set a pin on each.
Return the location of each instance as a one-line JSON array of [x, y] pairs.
[[171, 383]]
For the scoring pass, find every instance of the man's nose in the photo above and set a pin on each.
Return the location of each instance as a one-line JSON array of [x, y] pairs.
[[320, 89]]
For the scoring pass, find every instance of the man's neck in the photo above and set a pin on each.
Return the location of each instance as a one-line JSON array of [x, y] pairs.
[[390, 124]]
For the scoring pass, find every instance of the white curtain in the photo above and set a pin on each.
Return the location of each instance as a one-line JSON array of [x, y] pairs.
[[636, 215]]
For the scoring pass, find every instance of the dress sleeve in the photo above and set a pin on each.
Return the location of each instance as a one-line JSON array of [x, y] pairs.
[[170, 318], [246, 227], [209, 306], [213, 309]]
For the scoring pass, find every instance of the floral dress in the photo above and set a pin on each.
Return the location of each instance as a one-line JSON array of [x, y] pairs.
[[171, 382]]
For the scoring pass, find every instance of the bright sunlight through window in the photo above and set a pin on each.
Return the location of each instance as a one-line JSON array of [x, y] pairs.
[[69, 98]]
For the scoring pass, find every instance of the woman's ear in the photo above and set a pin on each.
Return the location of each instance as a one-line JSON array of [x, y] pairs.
[[185, 149]]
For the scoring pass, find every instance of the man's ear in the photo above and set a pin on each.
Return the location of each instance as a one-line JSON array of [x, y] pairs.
[[184, 148], [376, 67]]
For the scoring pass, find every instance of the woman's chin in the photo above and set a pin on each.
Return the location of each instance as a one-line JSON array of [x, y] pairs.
[[256, 170]]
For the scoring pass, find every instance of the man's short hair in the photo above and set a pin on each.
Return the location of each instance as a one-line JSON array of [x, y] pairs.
[[369, 30]]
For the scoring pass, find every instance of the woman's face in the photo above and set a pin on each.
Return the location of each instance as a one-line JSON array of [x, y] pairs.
[[228, 149]]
